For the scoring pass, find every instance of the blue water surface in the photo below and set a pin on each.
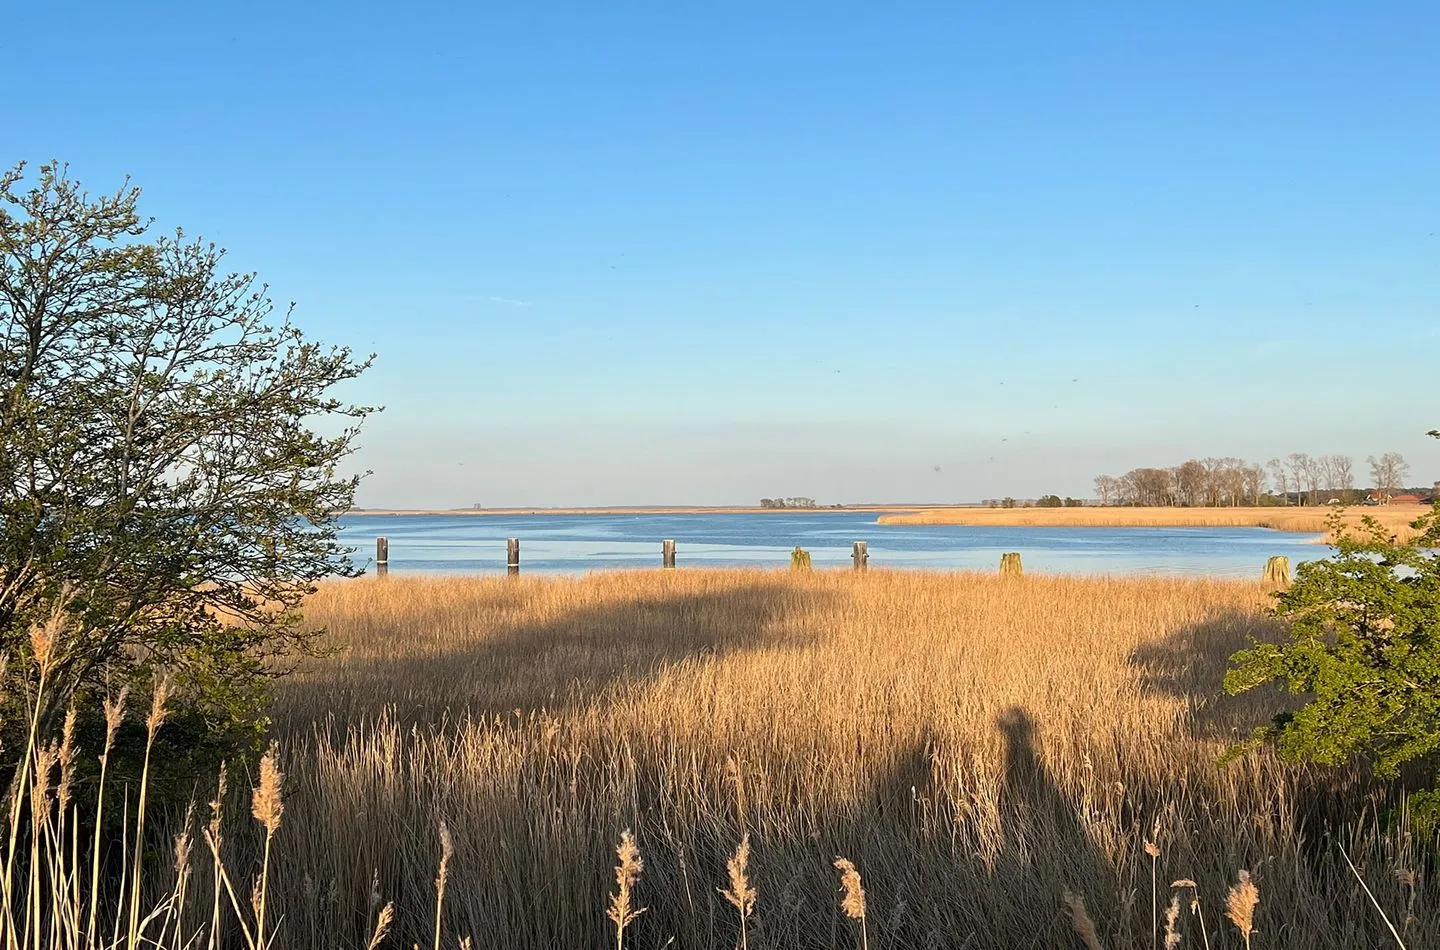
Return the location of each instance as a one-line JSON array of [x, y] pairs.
[[576, 543]]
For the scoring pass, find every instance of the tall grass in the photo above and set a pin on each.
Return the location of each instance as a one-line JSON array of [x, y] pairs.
[[1000, 757], [50, 901], [976, 746], [1313, 520]]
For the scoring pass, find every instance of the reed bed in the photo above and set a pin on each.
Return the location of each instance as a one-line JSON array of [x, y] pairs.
[[1310, 520], [979, 748], [714, 759]]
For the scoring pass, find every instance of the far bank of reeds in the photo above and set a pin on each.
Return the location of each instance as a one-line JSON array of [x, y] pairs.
[[1310, 520]]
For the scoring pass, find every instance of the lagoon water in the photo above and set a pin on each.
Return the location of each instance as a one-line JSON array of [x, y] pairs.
[[573, 544]]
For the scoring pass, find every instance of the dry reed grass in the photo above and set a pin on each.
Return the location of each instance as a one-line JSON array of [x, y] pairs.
[[980, 746], [1395, 518], [1011, 761]]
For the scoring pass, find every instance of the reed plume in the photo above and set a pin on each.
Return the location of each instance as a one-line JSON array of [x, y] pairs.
[[1195, 907], [852, 900], [442, 877], [1080, 920], [158, 712], [1240, 906], [267, 804], [1172, 921], [741, 895], [627, 872], [1152, 849], [214, 839], [382, 925]]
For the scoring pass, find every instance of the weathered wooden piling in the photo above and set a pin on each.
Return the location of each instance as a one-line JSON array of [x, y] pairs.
[[860, 554], [667, 554], [799, 559], [1277, 571], [512, 556], [382, 556], [1010, 565]]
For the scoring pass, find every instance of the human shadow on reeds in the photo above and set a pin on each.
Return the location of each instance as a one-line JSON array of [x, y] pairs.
[[1041, 822], [548, 666]]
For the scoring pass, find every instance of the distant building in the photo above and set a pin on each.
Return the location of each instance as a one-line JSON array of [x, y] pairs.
[[1406, 499]]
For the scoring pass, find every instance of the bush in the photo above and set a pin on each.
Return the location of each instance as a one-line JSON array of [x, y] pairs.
[[167, 497], [1363, 648]]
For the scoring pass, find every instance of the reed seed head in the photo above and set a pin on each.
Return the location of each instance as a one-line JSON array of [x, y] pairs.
[[1080, 920], [382, 925], [447, 851], [741, 895], [1240, 904], [627, 873], [66, 756], [1172, 922], [45, 637], [45, 758], [114, 715], [267, 802], [1152, 849], [853, 889], [158, 699]]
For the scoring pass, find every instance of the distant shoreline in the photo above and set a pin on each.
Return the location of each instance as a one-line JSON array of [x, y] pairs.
[[1308, 520], [634, 510]]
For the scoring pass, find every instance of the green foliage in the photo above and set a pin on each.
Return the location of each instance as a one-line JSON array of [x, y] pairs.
[[1363, 649], [169, 463], [1050, 501]]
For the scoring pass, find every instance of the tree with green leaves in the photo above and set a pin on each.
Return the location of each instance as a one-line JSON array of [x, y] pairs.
[[170, 461], [1363, 649]]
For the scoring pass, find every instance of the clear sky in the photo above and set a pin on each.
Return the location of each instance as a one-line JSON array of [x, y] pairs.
[[700, 253]]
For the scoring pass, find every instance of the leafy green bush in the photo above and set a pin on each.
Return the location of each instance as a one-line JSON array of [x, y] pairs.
[[1363, 649], [171, 469]]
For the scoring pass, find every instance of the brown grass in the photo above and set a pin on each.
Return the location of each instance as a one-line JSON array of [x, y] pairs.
[[1395, 518], [978, 746]]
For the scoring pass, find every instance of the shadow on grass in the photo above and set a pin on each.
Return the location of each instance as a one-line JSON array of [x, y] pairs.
[[1190, 665], [551, 665]]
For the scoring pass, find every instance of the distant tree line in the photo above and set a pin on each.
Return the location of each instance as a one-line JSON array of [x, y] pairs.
[[795, 502], [1044, 501], [1298, 478], [1055, 501]]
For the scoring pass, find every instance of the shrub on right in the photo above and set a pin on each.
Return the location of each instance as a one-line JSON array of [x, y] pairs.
[[1364, 650]]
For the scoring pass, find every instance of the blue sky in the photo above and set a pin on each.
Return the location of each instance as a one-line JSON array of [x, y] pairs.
[[686, 253]]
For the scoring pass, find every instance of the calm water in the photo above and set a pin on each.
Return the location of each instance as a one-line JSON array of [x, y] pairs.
[[578, 543]]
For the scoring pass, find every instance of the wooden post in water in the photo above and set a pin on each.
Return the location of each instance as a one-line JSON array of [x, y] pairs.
[[860, 554], [1277, 572], [382, 556], [667, 554], [1010, 565], [512, 556], [799, 559]]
